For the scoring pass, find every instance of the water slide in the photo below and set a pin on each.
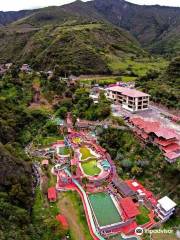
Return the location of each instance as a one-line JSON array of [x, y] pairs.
[[96, 235]]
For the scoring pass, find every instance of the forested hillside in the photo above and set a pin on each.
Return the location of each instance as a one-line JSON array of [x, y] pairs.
[[80, 48], [19, 124], [164, 88]]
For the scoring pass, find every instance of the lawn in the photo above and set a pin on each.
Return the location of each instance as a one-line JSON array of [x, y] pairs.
[[138, 66], [42, 209], [46, 141], [63, 150], [71, 206], [86, 153], [90, 167], [143, 217]]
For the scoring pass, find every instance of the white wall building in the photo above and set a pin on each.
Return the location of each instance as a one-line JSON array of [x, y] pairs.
[[130, 99], [165, 208]]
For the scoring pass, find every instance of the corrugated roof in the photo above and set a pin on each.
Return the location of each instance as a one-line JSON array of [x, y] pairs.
[[129, 207], [52, 193], [172, 155], [154, 127], [62, 219], [171, 148], [163, 142], [123, 188]]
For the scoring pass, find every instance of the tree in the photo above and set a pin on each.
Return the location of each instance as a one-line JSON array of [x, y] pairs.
[[85, 180], [62, 112]]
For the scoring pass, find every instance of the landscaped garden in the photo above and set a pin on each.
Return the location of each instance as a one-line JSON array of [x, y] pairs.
[[86, 153], [90, 167], [77, 140], [143, 217]]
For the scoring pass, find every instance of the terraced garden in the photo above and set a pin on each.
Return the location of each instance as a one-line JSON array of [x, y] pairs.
[[143, 217], [86, 153], [89, 163], [90, 167]]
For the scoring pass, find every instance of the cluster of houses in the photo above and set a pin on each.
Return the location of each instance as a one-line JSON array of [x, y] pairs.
[[25, 68], [4, 68], [153, 131], [134, 191]]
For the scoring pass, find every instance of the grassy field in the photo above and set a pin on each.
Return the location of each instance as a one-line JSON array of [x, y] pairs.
[[139, 66], [71, 206], [143, 217], [90, 167], [101, 80], [46, 141]]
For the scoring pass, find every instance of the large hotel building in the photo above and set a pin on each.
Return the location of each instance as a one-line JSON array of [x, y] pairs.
[[130, 99]]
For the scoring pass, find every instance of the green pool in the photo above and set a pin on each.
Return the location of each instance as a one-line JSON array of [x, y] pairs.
[[63, 150], [90, 167], [104, 209]]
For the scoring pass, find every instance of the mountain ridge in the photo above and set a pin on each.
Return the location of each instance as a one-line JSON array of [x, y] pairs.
[[160, 25]]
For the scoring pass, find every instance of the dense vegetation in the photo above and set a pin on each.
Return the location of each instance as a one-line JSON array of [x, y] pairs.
[[134, 159], [164, 88], [23, 121], [20, 124], [80, 48]]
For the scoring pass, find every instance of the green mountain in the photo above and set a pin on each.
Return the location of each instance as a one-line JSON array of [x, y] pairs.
[[79, 46], [9, 17], [164, 88], [157, 28]]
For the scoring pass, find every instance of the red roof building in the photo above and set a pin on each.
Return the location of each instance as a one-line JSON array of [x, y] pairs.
[[52, 196], [129, 207], [172, 156], [63, 221], [171, 148], [165, 138], [140, 189], [163, 142]]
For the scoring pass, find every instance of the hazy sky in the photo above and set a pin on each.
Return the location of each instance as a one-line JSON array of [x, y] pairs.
[[8, 5]]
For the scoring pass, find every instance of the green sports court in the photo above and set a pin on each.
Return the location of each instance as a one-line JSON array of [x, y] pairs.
[[104, 209]]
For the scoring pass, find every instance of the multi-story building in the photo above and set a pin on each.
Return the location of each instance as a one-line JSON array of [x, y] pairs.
[[130, 99], [165, 208]]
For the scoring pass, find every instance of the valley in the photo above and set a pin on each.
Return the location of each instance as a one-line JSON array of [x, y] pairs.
[[90, 122]]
